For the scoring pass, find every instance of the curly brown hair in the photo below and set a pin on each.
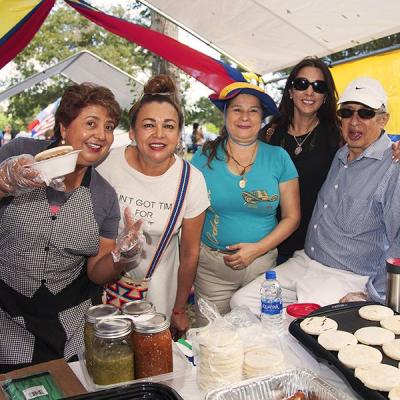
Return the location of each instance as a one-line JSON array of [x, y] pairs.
[[79, 96], [161, 89]]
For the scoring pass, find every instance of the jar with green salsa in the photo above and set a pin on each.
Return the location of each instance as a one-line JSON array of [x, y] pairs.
[[92, 313], [113, 360]]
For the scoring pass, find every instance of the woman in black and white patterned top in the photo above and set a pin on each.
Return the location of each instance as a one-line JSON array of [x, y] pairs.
[[55, 245]]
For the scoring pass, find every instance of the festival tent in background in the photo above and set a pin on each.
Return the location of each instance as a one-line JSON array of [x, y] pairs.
[[269, 35], [85, 66]]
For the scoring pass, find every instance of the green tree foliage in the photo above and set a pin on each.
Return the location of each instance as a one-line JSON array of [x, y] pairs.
[[364, 49], [3, 120], [203, 111], [64, 33]]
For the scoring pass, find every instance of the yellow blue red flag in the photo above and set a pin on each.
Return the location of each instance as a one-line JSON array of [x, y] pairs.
[[24, 18], [20, 20]]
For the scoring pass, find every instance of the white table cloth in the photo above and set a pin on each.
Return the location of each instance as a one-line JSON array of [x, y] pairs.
[[295, 355]]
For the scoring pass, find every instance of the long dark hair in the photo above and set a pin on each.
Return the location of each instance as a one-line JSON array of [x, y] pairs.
[[327, 111]]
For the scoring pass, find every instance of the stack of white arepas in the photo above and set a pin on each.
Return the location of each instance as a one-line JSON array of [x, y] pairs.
[[355, 350], [261, 360], [223, 359], [220, 358]]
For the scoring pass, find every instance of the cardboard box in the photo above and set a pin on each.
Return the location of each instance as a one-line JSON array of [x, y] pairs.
[[65, 378]]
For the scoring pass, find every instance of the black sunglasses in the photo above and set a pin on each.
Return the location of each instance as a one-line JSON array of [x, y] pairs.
[[303, 83], [363, 113]]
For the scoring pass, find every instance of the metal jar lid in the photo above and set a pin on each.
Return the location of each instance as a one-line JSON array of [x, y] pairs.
[[158, 323], [137, 307], [112, 328], [102, 310]]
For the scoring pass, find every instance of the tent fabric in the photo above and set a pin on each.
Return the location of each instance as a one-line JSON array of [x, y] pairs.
[[385, 68], [212, 73], [19, 23], [86, 67], [269, 35]]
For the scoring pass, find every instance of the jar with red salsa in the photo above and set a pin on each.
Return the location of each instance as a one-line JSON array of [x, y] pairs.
[[152, 346]]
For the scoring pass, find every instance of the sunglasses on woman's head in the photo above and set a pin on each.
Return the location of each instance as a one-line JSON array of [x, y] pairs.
[[303, 83], [363, 113]]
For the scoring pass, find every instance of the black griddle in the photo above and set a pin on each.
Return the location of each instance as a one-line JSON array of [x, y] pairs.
[[135, 391], [347, 318]]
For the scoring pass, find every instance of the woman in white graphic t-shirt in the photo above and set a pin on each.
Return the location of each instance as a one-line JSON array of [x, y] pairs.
[[146, 176]]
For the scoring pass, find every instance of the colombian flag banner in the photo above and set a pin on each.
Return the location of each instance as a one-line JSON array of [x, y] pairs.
[[23, 18], [212, 73], [20, 20]]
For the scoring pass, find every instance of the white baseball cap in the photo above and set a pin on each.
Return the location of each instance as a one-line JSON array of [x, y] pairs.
[[365, 90]]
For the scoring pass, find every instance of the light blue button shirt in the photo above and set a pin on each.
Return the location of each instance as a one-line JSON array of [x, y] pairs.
[[355, 225]]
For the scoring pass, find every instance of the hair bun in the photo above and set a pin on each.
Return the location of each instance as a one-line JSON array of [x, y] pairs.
[[160, 84]]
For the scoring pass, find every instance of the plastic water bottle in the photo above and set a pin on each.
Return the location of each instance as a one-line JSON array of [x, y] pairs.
[[271, 304]]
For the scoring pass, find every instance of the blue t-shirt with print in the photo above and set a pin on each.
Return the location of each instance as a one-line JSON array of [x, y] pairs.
[[245, 215]]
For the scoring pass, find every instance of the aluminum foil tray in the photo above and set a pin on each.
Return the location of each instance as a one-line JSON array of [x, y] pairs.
[[279, 387]]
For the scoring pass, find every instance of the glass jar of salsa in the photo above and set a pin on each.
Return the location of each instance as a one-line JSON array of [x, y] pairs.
[[112, 352], [92, 313], [152, 344]]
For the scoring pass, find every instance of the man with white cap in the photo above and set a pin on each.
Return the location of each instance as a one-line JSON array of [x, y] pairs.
[[355, 224]]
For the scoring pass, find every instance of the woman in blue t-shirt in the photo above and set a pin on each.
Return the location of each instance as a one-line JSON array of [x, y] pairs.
[[247, 180]]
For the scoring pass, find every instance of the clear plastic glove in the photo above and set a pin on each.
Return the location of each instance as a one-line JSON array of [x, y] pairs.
[[354, 296], [130, 241], [17, 175]]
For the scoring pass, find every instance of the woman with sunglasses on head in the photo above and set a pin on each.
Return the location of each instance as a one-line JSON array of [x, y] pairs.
[[247, 180], [168, 195], [309, 131]]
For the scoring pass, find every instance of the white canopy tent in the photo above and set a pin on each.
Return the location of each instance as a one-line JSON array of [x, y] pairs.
[[86, 67], [268, 35]]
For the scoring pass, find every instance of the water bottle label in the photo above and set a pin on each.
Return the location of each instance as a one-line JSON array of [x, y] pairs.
[[271, 307]]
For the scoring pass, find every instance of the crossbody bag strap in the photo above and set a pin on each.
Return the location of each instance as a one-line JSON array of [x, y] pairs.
[[173, 218]]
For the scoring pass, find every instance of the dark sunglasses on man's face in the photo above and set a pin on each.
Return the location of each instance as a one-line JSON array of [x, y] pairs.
[[303, 83], [363, 113]]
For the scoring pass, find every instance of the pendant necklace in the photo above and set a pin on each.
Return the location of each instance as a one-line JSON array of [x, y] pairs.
[[299, 147], [243, 180]]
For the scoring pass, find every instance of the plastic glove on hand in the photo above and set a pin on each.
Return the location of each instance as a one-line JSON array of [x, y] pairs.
[[17, 175], [130, 241]]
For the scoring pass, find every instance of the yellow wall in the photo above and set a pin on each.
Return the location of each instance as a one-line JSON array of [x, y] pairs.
[[384, 67]]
